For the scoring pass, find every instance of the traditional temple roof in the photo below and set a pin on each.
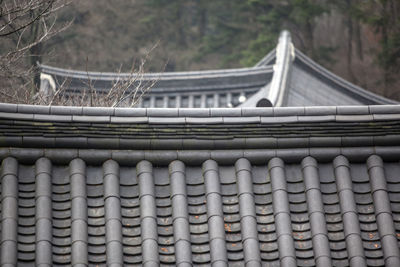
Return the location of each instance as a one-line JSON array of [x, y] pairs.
[[295, 186], [285, 77]]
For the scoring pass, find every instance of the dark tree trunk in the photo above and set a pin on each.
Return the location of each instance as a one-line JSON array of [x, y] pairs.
[[359, 44], [35, 55], [181, 24], [202, 21], [309, 38], [350, 43]]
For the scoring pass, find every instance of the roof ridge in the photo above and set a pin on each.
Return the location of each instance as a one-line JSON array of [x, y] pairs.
[[6, 108]]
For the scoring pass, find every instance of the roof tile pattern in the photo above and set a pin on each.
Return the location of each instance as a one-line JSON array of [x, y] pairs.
[[311, 186], [243, 128], [327, 211]]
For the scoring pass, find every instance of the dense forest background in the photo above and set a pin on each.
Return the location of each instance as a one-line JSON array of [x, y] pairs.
[[356, 39]]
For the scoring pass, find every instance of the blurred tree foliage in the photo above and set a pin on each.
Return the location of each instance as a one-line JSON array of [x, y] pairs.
[[239, 31], [384, 17]]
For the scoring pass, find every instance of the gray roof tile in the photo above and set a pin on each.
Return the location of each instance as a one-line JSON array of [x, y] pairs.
[[63, 110], [316, 212], [353, 110], [320, 110], [162, 112], [193, 112], [126, 120], [92, 119], [282, 212], [148, 213], [383, 210], [263, 112], [247, 212], [33, 109], [43, 212], [96, 111], [225, 112], [288, 111], [6, 107], [130, 112]]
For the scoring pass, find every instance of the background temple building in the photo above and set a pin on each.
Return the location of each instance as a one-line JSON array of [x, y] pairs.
[[282, 164], [284, 77]]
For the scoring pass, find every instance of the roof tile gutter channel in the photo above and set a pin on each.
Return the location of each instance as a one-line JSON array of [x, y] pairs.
[[180, 217], [248, 221], [383, 212], [44, 236], [148, 216], [215, 216], [194, 144], [79, 216], [280, 202], [348, 209], [112, 208], [9, 216], [316, 213]]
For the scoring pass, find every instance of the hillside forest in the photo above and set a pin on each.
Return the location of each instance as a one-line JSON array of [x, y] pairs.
[[357, 39]]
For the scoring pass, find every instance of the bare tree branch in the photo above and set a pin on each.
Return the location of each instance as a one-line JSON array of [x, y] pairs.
[[26, 25], [37, 17]]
